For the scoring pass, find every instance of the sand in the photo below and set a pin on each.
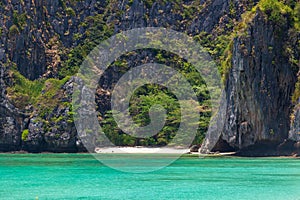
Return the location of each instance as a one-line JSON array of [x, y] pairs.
[[141, 150]]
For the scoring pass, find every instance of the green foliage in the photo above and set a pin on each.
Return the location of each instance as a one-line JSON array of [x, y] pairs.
[[24, 92], [276, 10], [232, 10], [130, 2], [13, 30], [50, 95], [70, 12], [96, 32], [219, 48], [25, 134], [139, 107], [19, 19], [247, 17], [296, 13], [291, 52], [188, 10], [41, 93], [226, 62], [296, 95], [147, 96]]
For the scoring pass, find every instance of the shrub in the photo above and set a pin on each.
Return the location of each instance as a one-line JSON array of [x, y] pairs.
[[13, 30], [49, 98], [25, 134], [19, 19], [297, 16], [70, 11], [24, 91], [275, 10]]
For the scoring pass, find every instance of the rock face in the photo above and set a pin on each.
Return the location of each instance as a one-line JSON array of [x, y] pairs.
[[258, 91], [35, 32], [38, 35], [293, 142], [294, 133], [55, 132], [37, 38], [206, 16], [11, 120]]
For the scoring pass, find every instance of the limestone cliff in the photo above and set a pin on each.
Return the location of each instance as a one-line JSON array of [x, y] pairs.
[[259, 87], [42, 44], [11, 119]]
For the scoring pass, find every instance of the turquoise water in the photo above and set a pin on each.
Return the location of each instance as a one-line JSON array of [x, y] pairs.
[[80, 176]]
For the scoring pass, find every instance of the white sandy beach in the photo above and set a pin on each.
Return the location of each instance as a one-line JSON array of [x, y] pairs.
[[142, 150]]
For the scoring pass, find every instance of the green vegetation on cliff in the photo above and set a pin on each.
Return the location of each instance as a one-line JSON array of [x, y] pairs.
[[41, 93], [97, 31], [24, 92], [149, 95], [277, 12], [25, 134], [66, 36], [296, 95]]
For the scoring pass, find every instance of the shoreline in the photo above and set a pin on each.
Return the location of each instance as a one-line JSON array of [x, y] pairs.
[[155, 150], [141, 150]]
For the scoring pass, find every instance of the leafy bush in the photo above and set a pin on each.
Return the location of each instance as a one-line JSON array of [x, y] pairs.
[[70, 12], [19, 19], [50, 95], [96, 32], [23, 91], [41, 92], [25, 134], [149, 95], [13, 30], [297, 16], [276, 10]]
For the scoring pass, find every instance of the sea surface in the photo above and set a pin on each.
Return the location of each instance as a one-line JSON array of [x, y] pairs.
[[81, 176]]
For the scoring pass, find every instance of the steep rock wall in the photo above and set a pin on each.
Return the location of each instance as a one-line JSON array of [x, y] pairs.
[[11, 120], [259, 86], [38, 35], [258, 91]]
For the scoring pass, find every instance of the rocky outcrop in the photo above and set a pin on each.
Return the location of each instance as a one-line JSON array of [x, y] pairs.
[[35, 33], [258, 91], [220, 15], [11, 120], [292, 144], [54, 132], [193, 17], [39, 36], [294, 133]]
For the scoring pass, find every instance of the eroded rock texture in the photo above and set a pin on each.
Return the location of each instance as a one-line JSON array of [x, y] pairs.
[[37, 38], [258, 91]]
